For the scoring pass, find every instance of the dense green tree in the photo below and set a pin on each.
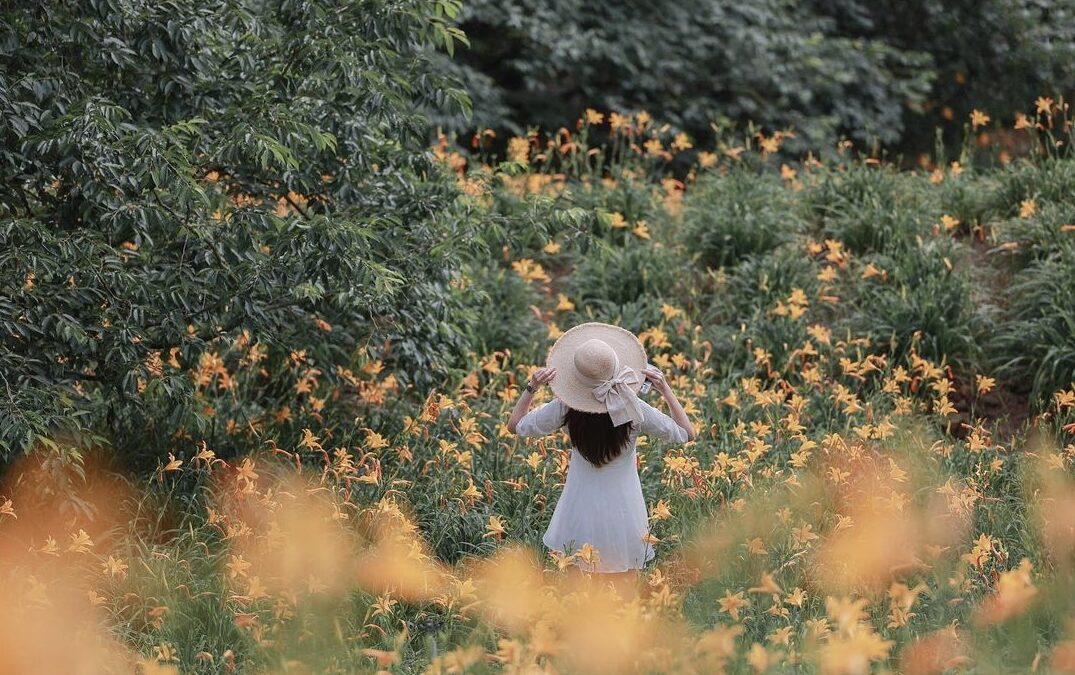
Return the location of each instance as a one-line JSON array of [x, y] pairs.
[[873, 70], [176, 173], [777, 62], [995, 55]]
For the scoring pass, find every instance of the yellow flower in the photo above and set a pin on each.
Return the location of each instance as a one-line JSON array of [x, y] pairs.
[[707, 159], [495, 528], [756, 546], [588, 554], [660, 511], [564, 304], [593, 116], [758, 657], [1014, 593], [519, 150], [1022, 121], [767, 585], [780, 636], [80, 543], [733, 603], [618, 121], [985, 384], [682, 142], [173, 463], [978, 119], [1027, 207], [797, 597], [552, 248], [1044, 105], [949, 222], [530, 270], [618, 220], [641, 230], [1065, 399], [114, 567], [237, 566], [653, 146]]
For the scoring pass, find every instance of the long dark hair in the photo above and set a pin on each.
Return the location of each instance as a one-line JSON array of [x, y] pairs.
[[595, 437]]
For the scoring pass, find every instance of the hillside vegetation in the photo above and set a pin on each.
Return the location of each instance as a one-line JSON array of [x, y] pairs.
[[261, 340]]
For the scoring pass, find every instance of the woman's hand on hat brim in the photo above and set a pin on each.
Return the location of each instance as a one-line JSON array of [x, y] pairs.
[[542, 376]]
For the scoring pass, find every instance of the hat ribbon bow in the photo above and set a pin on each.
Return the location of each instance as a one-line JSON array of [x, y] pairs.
[[616, 393]]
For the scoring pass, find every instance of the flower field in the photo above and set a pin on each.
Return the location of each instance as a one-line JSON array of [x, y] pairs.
[[879, 362]]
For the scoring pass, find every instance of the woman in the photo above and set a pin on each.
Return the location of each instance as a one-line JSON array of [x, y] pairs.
[[596, 370]]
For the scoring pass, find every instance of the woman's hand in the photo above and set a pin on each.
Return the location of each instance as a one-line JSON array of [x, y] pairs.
[[654, 375], [541, 377]]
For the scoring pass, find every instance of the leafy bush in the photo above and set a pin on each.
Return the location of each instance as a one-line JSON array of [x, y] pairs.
[[728, 217], [167, 185], [625, 283], [868, 208], [923, 303], [504, 316], [1047, 180], [1035, 345]]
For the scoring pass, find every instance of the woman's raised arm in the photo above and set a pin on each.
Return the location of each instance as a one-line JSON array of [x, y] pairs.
[[654, 375], [542, 376]]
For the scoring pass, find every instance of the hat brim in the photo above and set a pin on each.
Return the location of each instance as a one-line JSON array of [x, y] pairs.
[[569, 385]]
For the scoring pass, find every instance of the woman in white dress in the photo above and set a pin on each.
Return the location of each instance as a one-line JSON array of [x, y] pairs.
[[596, 370]]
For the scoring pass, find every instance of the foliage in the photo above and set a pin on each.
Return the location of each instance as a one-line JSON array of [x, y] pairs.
[[869, 208], [178, 173], [775, 62], [727, 217], [987, 54], [891, 72], [1036, 344], [922, 305], [327, 482]]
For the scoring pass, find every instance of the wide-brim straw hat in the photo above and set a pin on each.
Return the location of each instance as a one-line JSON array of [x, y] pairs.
[[594, 354]]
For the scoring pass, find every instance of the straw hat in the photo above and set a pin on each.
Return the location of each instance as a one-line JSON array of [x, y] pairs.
[[599, 369]]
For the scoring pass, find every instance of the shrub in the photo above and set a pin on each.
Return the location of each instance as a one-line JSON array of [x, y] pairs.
[[869, 208], [728, 217], [1046, 180], [609, 276], [503, 315], [167, 184], [923, 303], [1035, 344]]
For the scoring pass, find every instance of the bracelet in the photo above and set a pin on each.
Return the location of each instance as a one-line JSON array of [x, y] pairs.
[[530, 388]]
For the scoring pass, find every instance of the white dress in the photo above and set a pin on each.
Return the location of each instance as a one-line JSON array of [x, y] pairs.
[[602, 506]]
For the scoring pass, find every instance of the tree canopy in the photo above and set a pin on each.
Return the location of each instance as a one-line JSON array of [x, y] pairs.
[[184, 172], [888, 72]]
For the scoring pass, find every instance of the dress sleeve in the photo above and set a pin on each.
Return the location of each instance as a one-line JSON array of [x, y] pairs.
[[542, 420], [659, 425]]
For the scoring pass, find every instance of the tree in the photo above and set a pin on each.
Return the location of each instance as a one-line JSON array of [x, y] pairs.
[[181, 173], [775, 62]]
